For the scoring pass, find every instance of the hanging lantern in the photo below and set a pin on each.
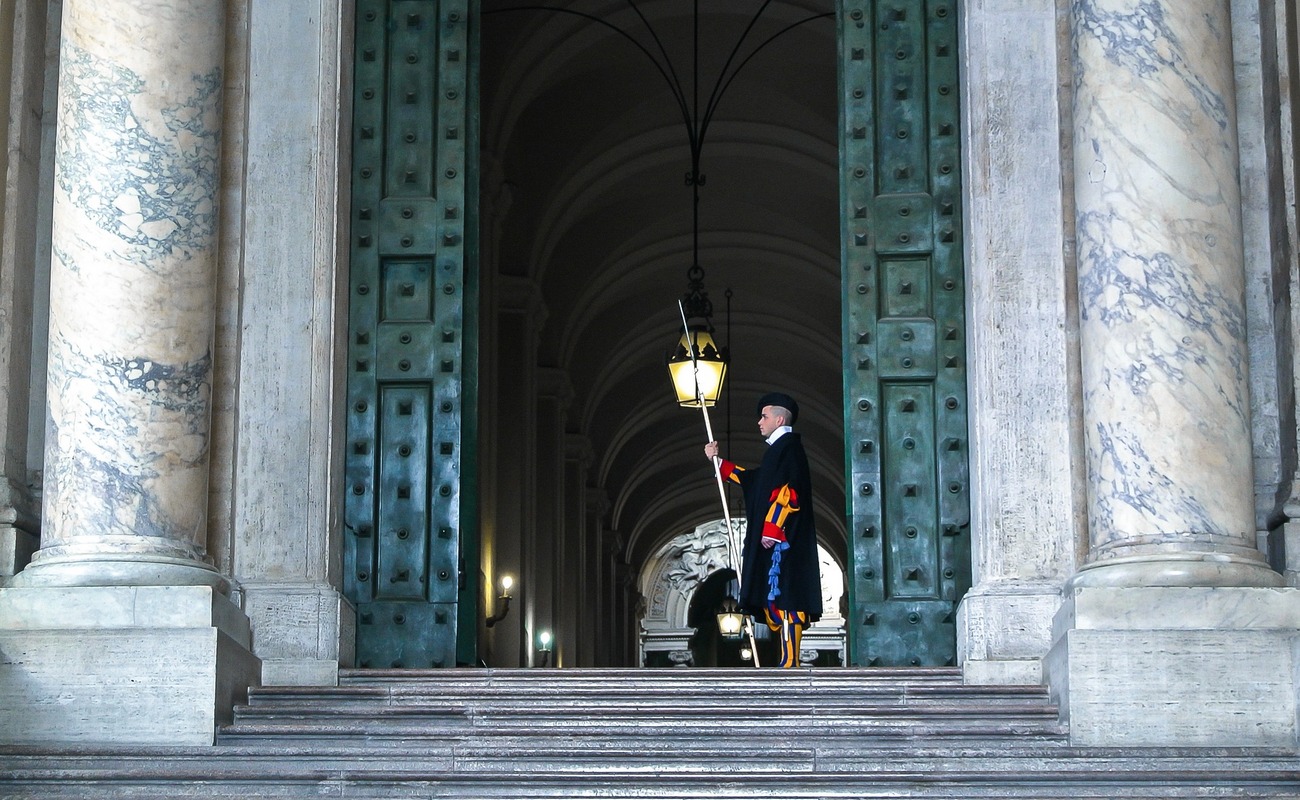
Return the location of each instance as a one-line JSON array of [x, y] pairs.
[[701, 376], [697, 365]]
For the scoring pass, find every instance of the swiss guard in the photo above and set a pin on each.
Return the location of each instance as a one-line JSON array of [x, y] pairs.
[[780, 579]]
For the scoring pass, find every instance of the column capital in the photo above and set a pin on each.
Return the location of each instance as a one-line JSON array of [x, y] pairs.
[[522, 296], [577, 447], [553, 382]]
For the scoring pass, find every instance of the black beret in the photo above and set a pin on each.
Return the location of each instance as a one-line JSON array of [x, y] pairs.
[[779, 399]]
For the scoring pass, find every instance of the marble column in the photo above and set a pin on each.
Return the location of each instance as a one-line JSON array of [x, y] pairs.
[[1173, 632], [120, 631], [1163, 330], [131, 296]]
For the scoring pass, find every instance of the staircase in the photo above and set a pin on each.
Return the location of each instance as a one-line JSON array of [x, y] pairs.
[[689, 733]]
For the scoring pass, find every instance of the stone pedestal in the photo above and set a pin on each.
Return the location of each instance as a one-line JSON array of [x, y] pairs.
[[1178, 666], [1003, 631], [117, 664], [305, 632]]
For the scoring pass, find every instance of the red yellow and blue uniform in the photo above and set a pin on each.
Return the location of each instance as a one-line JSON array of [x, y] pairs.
[[781, 584]]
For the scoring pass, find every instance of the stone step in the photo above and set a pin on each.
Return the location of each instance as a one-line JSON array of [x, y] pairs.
[[599, 705], [572, 741], [263, 697], [720, 687], [644, 687], [649, 734], [601, 738], [717, 773], [536, 709], [615, 678]]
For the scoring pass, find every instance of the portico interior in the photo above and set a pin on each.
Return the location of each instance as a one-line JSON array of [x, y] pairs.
[[587, 229]]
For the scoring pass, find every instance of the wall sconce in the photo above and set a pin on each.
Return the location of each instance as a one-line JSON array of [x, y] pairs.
[[506, 583], [544, 647], [746, 654], [730, 620]]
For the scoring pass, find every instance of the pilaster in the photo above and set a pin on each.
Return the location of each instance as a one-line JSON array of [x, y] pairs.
[[1027, 507], [549, 570], [512, 539], [22, 73], [601, 608], [577, 602], [287, 437]]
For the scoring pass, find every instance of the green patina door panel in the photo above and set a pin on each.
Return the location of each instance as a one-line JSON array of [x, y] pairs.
[[904, 328], [408, 512]]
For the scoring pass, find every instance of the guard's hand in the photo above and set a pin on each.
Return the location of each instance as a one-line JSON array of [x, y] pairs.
[[768, 542], [711, 450]]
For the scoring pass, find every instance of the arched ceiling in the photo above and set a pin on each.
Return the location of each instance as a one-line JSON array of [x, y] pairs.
[[584, 131]]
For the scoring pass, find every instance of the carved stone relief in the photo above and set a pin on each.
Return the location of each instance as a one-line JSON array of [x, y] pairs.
[[677, 569]]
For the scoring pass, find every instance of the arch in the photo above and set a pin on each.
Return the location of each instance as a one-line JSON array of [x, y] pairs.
[[670, 577]]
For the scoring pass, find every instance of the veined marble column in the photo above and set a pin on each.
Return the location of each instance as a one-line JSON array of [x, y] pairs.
[[132, 295], [1164, 360], [1173, 633], [122, 580]]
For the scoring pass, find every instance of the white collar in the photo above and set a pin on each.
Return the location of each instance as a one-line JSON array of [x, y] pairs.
[[778, 433]]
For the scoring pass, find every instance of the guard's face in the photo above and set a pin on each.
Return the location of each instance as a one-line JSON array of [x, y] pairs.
[[769, 421]]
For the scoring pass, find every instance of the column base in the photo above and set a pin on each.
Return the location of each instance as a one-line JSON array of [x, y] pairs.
[[1177, 569], [1003, 631], [303, 632], [125, 569], [1173, 666], [120, 665]]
